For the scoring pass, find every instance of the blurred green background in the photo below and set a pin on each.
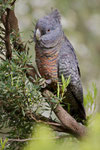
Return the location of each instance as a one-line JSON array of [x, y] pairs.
[[81, 24], [45, 139]]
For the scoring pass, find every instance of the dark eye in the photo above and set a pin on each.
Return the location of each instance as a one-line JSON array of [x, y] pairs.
[[48, 30]]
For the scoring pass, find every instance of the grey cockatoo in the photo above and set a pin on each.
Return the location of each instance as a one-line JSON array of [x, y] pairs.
[[56, 56]]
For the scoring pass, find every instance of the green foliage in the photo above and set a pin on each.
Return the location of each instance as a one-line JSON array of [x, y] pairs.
[[4, 5], [90, 101], [3, 144], [62, 87], [44, 139], [18, 97], [65, 83]]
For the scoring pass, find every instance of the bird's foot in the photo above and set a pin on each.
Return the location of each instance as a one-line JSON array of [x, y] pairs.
[[44, 83]]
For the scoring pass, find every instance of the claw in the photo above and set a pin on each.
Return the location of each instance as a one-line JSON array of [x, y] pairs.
[[43, 83]]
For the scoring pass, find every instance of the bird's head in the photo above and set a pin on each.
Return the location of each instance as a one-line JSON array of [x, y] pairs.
[[48, 30]]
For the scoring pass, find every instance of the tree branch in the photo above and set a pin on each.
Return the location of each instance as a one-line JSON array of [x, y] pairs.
[[2, 29], [67, 121], [13, 22], [2, 58], [2, 38], [56, 126], [31, 139], [13, 3], [10, 23], [7, 36]]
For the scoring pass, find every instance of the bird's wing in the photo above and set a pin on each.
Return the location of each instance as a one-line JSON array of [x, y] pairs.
[[74, 55], [68, 66]]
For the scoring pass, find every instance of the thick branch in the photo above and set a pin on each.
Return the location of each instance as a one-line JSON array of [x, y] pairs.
[[13, 22], [56, 126], [7, 37], [68, 122], [10, 23]]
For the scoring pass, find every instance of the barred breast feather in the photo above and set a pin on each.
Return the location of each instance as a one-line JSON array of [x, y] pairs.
[[47, 64]]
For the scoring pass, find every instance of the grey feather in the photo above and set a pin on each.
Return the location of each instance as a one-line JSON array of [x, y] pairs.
[[68, 66], [56, 43]]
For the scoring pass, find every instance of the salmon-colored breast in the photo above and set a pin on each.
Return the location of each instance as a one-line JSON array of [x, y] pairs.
[[47, 65]]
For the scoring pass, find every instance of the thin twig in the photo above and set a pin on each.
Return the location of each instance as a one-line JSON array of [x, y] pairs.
[[31, 139], [4, 133], [2, 38], [13, 3], [2, 58], [43, 119], [2, 29], [2, 52]]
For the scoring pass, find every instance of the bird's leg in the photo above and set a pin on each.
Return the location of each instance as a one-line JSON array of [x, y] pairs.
[[44, 83]]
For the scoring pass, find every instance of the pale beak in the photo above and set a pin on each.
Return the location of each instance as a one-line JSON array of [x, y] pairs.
[[38, 34]]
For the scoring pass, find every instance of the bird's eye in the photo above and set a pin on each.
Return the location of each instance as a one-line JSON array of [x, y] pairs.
[[48, 30]]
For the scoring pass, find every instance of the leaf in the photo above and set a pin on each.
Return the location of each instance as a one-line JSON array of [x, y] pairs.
[[58, 90], [65, 83]]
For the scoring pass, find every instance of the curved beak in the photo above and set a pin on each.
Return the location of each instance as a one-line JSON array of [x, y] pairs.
[[38, 34]]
